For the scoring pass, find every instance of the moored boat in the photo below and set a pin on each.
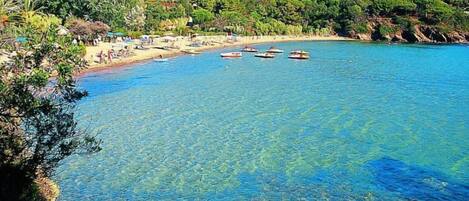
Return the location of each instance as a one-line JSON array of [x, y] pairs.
[[231, 54], [299, 55], [249, 49], [265, 55], [160, 60], [274, 50], [299, 52]]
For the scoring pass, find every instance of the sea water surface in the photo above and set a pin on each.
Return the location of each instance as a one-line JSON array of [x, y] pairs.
[[358, 121]]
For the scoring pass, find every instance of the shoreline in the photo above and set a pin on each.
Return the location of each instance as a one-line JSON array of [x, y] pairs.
[[146, 55]]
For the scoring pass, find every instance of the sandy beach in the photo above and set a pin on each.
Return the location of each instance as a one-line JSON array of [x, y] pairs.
[[183, 43]]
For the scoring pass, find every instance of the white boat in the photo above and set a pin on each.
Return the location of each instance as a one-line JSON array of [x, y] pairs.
[[299, 52], [274, 50], [302, 56], [232, 54], [265, 55], [160, 60]]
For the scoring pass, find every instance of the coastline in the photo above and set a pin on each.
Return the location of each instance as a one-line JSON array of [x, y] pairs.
[[183, 43]]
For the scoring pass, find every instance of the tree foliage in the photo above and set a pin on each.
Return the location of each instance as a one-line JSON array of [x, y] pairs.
[[135, 18], [38, 96], [339, 15], [202, 16], [65, 8], [85, 29]]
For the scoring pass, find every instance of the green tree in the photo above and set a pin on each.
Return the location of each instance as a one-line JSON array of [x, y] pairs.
[[187, 6], [65, 8], [434, 11], [202, 16], [112, 12], [233, 18], [441, 11], [290, 11], [108, 12], [154, 13], [135, 18], [38, 128], [387, 7], [177, 12], [205, 4]]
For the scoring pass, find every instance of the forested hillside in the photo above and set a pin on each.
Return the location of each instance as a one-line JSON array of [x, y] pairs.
[[401, 20]]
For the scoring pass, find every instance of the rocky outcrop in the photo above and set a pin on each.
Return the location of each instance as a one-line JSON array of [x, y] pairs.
[[455, 37], [398, 38], [418, 34], [432, 33], [363, 36], [437, 36]]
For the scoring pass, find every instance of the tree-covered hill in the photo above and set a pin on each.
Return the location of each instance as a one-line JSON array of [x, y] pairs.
[[400, 20]]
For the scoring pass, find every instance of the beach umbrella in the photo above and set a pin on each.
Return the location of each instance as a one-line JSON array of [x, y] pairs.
[[119, 34], [145, 38], [110, 34]]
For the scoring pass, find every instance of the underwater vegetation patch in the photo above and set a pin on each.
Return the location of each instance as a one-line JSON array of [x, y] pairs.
[[413, 182]]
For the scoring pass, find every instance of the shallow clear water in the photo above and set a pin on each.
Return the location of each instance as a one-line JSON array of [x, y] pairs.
[[359, 121]]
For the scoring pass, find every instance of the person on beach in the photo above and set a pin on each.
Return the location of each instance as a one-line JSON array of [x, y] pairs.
[[100, 56], [109, 56]]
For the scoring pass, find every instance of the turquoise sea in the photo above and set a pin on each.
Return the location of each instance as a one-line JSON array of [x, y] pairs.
[[358, 121]]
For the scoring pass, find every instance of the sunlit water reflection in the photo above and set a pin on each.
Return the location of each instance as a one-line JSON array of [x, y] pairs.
[[358, 121]]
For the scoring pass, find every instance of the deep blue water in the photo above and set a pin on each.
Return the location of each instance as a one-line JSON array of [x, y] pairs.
[[358, 121]]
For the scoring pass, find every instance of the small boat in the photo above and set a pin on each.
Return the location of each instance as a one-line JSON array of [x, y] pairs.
[[190, 52], [274, 50], [265, 55], [160, 60], [249, 49], [299, 56], [231, 54], [299, 52]]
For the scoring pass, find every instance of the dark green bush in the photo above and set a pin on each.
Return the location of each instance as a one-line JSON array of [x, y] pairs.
[[385, 30], [361, 27]]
